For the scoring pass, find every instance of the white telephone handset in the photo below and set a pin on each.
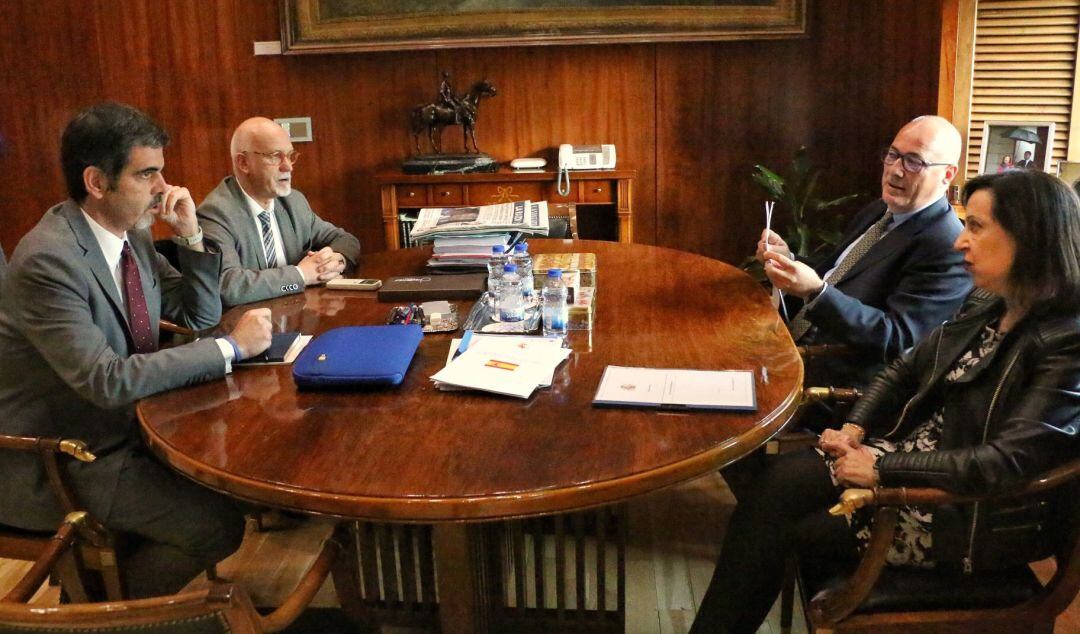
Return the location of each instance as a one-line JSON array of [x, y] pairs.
[[583, 157]]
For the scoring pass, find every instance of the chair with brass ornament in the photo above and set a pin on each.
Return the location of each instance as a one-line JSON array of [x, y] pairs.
[[562, 221], [88, 572], [874, 597], [221, 607]]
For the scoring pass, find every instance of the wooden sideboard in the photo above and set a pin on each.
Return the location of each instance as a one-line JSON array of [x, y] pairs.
[[404, 193]]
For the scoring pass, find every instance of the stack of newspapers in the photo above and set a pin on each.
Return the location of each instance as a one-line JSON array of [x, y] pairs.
[[463, 236]]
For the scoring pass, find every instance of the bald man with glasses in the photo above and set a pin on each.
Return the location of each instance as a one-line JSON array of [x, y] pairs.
[[894, 276], [271, 241]]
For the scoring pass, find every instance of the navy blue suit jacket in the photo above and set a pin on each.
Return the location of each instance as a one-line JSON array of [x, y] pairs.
[[905, 286]]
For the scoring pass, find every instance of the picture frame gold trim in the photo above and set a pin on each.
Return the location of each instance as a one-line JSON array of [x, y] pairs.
[[326, 26]]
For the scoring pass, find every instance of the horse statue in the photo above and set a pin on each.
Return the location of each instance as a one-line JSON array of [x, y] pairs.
[[450, 110]]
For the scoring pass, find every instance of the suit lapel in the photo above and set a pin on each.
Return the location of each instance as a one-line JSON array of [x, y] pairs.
[[252, 256], [94, 259], [290, 241], [894, 240]]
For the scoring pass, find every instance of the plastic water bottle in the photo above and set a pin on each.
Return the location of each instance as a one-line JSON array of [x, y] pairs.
[[556, 311], [524, 263], [495, 268], [510, 302]]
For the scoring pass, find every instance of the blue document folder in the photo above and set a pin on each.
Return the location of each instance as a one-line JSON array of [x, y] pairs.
[[358, 355]]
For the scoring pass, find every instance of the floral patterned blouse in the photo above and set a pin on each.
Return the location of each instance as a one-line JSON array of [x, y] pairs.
[[912, 543]]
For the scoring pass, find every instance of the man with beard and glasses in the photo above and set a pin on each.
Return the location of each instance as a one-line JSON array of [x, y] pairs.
[[79, 346], [272, 243]]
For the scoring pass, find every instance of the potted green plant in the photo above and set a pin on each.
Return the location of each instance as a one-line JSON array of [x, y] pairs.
[[813, 224]]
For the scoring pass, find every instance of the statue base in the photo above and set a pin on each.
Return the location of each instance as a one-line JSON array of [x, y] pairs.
[[449, 164]]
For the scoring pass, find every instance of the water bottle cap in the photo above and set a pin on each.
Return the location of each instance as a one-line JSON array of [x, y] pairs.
[[520, 247], [498, 249], [555, 273], [509, 267]]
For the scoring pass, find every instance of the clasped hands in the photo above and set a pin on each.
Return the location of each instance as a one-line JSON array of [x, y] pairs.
[[784, 272], [854, 466], [321, 266]]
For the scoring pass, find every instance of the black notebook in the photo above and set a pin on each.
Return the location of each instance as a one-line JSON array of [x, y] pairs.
[[279, 347], [423, 287]]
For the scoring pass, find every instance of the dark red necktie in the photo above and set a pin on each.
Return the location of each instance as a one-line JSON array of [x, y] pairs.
[[138, 316]]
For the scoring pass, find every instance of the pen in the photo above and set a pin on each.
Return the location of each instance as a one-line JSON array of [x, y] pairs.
[[466, 337]]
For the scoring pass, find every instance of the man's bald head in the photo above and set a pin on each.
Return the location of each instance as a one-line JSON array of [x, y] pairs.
[[929, 141], [260, 151]]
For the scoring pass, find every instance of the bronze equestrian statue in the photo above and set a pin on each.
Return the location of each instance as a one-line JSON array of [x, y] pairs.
[[450, 109]]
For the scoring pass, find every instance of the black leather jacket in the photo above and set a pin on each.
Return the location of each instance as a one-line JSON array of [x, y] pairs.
[[1013, 416]]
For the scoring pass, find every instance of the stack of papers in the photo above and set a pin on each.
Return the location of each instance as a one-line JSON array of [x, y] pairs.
[[523, 215], [466, 251], [503, 364], [464, 236]]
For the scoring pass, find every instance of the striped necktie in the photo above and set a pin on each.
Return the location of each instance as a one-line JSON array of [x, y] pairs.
[[269, 248], [801, 324], [142, 335]]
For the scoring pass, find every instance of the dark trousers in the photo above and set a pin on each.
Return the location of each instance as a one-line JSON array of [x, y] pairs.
[[176, 529], [783, 508]]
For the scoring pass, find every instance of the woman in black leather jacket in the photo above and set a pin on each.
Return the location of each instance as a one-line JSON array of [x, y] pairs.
[[987, 401]]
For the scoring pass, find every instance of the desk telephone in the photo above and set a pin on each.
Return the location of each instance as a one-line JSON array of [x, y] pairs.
[[583, 157]]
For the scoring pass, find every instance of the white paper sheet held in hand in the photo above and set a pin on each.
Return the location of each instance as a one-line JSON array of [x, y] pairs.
[[657, 387]]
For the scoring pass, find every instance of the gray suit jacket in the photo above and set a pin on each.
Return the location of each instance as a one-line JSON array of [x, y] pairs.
[[66, 363], [226, 220]]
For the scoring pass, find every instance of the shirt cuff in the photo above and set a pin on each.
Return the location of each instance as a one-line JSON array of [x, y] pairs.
[[817, 296], [303, 282], [229, 351]]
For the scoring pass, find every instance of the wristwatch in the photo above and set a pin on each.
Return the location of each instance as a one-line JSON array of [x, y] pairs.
[[189, 240]]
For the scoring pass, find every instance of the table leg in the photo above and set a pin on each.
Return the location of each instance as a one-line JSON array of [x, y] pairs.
[[459, 561]]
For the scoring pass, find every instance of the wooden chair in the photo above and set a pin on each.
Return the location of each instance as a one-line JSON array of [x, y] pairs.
[[222, 607], [875, 597], [562, 221], [88, 572]]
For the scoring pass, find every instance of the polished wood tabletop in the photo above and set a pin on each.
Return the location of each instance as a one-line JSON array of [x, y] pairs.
[[414, 453]]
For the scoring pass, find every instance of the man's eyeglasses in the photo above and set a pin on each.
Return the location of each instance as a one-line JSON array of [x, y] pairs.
[[276, 158], [911, 163]]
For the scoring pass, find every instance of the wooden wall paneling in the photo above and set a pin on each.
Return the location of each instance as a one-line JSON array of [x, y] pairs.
[[566, 94], [722, 108], [691, 118], [45, 75]]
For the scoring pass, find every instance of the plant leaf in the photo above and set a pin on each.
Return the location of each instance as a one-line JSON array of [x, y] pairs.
[[836, 202]]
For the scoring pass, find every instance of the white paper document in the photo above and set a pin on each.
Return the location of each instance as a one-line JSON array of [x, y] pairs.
[[677, 389], [510, 365]]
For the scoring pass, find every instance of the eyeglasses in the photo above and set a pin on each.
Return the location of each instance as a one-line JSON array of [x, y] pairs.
[[276, 158], [911, 163]]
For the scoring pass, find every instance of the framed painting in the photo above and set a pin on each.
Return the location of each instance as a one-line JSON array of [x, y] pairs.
[[322, 26], [1009, 145]]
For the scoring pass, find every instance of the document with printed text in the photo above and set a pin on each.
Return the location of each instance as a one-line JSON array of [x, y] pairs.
[[677, 389]]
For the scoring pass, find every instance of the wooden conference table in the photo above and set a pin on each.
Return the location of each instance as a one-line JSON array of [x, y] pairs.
[[457, 459]]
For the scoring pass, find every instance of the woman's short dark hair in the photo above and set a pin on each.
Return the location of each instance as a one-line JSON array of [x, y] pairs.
[[1042, 214], [103, 136]]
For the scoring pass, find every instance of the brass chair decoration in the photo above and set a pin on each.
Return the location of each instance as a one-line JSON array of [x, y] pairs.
[[222, 607], [876, 597], [89, 571]]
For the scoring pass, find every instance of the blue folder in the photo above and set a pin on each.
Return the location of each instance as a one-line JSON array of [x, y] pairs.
[[358, 356]]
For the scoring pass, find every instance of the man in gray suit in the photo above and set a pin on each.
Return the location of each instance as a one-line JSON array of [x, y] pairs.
[[78, 347], [271, 241]]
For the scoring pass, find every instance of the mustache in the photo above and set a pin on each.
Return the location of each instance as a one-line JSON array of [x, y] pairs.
[[156, 201]]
